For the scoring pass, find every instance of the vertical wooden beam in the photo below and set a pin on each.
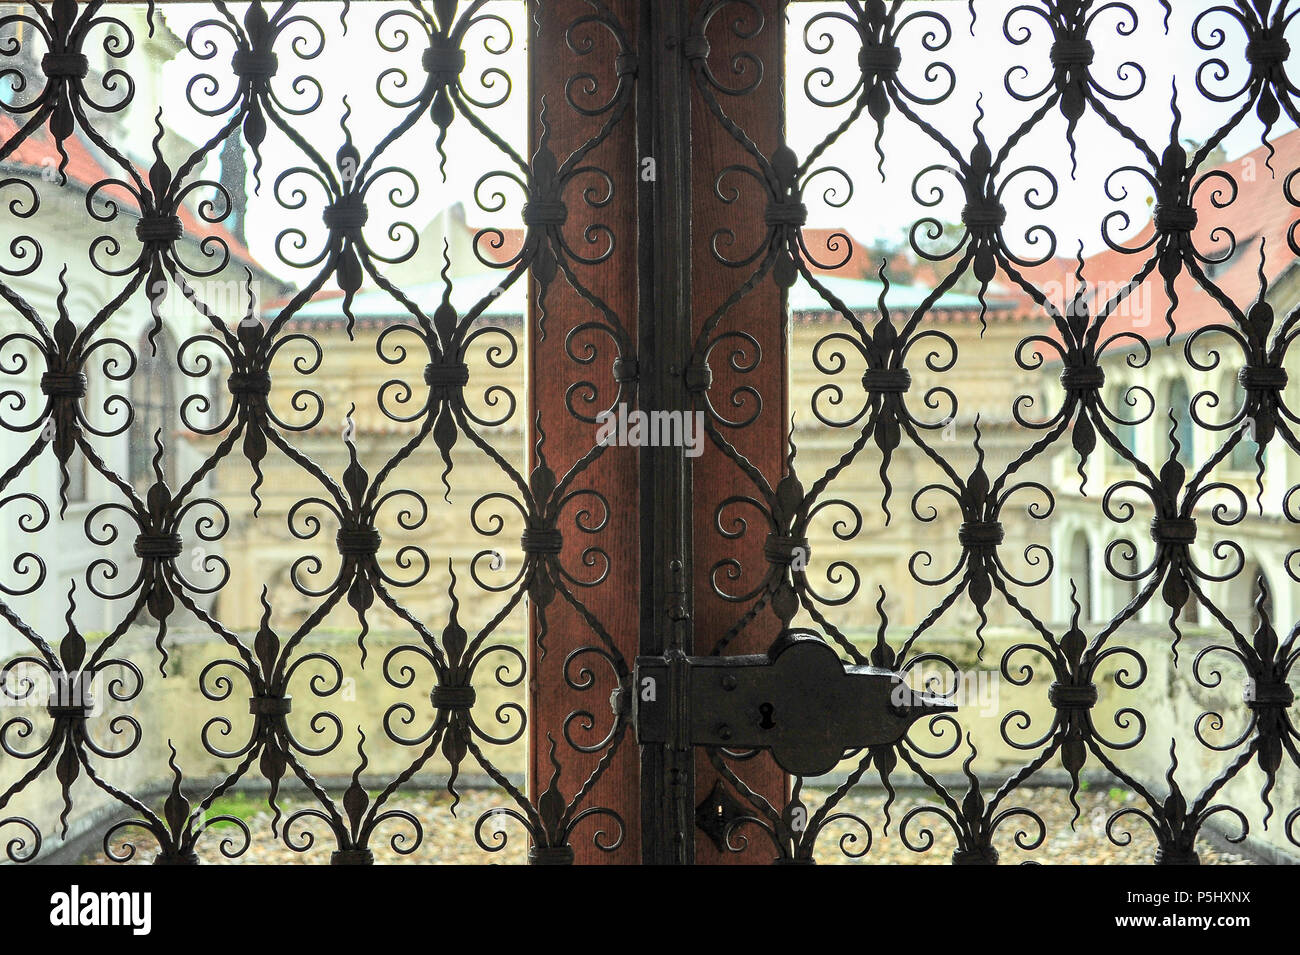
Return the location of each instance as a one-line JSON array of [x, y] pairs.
[[663, 130], [760, 314], [651, 540], [551, 370]]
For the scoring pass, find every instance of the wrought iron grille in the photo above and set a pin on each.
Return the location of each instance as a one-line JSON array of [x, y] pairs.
[[253, 407], [885, 380], [349, 484]]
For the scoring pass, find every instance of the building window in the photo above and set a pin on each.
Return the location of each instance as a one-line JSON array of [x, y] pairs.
[[77, 471], [1122, 590], [76, 466], [153, 401], [1259, 583], [1244, 451], [1243, 596], [1183, 429], [1126, 433], [1079, 573]]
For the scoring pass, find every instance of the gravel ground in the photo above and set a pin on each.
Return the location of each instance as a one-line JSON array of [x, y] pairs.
[[450, 839]]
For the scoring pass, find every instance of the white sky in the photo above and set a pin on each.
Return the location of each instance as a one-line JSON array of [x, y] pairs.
[[350, 64], [981, 63]]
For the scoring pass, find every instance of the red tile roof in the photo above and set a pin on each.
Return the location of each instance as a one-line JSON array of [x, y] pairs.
[[38, 153], [1004, 297], [512, 241], [1260, 211], [821, 245]]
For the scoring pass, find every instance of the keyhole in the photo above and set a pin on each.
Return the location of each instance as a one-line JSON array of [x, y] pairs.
[[765, 712]]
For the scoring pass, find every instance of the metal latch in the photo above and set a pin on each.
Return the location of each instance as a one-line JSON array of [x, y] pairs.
[[798, 700]]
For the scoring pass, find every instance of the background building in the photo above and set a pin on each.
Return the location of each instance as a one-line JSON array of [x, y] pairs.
[[159, 387]]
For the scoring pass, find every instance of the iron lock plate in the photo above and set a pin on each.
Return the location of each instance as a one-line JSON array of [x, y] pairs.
[[798, 700]]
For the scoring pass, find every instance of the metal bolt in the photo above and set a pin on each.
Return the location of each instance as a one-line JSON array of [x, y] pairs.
[[729, 681], [724, 731]]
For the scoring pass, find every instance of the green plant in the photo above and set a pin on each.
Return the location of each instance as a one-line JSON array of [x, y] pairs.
[[237, 804]]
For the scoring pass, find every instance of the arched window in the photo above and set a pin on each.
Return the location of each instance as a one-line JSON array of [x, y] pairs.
[[1121, 590], [78, 467], [1259, 582], [1078, 570], [22, 74], [1244, 451], [153, 399], [1126, 433], [1243, 594], [1180, 406]]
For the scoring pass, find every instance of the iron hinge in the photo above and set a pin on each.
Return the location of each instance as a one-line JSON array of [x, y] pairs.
[[798, 700]]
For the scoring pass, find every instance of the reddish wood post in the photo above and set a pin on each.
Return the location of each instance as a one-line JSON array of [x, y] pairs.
[[759, 313], [552, 369], [616, 602]]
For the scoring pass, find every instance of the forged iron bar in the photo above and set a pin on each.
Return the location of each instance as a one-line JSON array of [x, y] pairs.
[[156, 228]]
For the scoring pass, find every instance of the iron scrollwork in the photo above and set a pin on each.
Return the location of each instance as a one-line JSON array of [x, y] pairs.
[[1062, 85], [443, 66]]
